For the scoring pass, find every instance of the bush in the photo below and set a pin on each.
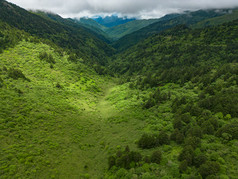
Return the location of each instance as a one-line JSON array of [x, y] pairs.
[[187, 154], [1, 82], [162, 138], [183, 166], [16, 74], [193, 141], [156, 157], [209, 168], [231, 129], [199, 160], [46, 57], [147, 141], [124, 159], [177, 136]]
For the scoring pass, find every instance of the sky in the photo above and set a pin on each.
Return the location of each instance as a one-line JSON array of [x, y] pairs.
[[143, 9]]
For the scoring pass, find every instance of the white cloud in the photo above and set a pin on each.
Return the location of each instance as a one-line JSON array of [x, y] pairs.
[[136, 8]]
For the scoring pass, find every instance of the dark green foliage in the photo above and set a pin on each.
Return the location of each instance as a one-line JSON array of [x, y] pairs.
[[187, 154], [207, 128], [183, 166], [62, 32], [178, 123], [1, 82], [195, 131], [58, 86], [163, 138], [231, 129], [193, 141], [124, 159], [148, 141], [16, 74], [166, 22], [209, 168], [111, 161], [199, 160], [47, 57], [156, 157], [156, 98]]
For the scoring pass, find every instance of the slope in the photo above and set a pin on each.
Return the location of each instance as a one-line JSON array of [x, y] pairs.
[[78, 39], [190, 78], [232, 15], [188, 18], [119, 31], [94, 26], [113, 20], [73, 23]]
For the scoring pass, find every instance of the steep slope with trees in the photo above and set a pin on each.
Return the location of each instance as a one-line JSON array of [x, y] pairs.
[[188, 18], [83, 43], [170, 113]]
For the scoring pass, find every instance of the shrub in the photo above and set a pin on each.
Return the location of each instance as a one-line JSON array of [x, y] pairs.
[[162, 138], [147, 141], [16, 74], [183, 166], [199, 160], [156, 157], [231, 129], [193, 141], [46, 57], [187, 154], [209, 168]]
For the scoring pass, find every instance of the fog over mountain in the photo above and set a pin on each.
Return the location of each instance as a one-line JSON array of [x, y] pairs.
[[132, 8]]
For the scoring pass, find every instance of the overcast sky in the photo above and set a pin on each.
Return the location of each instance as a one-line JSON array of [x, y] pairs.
[[132, 8]]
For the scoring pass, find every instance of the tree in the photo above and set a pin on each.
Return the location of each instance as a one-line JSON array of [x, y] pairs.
[[187, 154], [193, 141], [183, 166], [199, 160], [156, 157], [209, 168], [162, 138]]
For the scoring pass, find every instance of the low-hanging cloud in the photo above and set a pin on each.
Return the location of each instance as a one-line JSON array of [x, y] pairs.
[[132, 8]]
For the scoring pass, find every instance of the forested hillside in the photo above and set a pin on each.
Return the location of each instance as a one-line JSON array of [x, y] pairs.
[[191, 75], [64, 34], [188, 18], [166, 107]]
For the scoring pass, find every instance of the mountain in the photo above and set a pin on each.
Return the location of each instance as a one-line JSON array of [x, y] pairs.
[[95, 27], [192, 74], [227, 17], [188, 18], [163, 108], [111, 21], [62, 32], [119, 31]]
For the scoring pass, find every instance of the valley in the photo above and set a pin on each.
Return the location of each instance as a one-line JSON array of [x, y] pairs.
[[144, 99]]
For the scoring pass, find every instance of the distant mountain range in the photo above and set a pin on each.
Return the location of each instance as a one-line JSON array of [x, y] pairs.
[[111, 21]]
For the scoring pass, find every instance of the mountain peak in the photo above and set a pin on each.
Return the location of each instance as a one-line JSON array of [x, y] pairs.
[[113, 20]]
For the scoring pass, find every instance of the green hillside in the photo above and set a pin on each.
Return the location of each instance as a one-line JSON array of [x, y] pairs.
[[75, 38], [202, 65], [121, 30], [163, 108], [188, 18], [94, 26], [232, 15]]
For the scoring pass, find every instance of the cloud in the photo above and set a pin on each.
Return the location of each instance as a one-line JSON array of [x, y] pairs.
[[132, 8]]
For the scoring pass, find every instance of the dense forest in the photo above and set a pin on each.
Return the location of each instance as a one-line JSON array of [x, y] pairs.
[[75, 105]]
